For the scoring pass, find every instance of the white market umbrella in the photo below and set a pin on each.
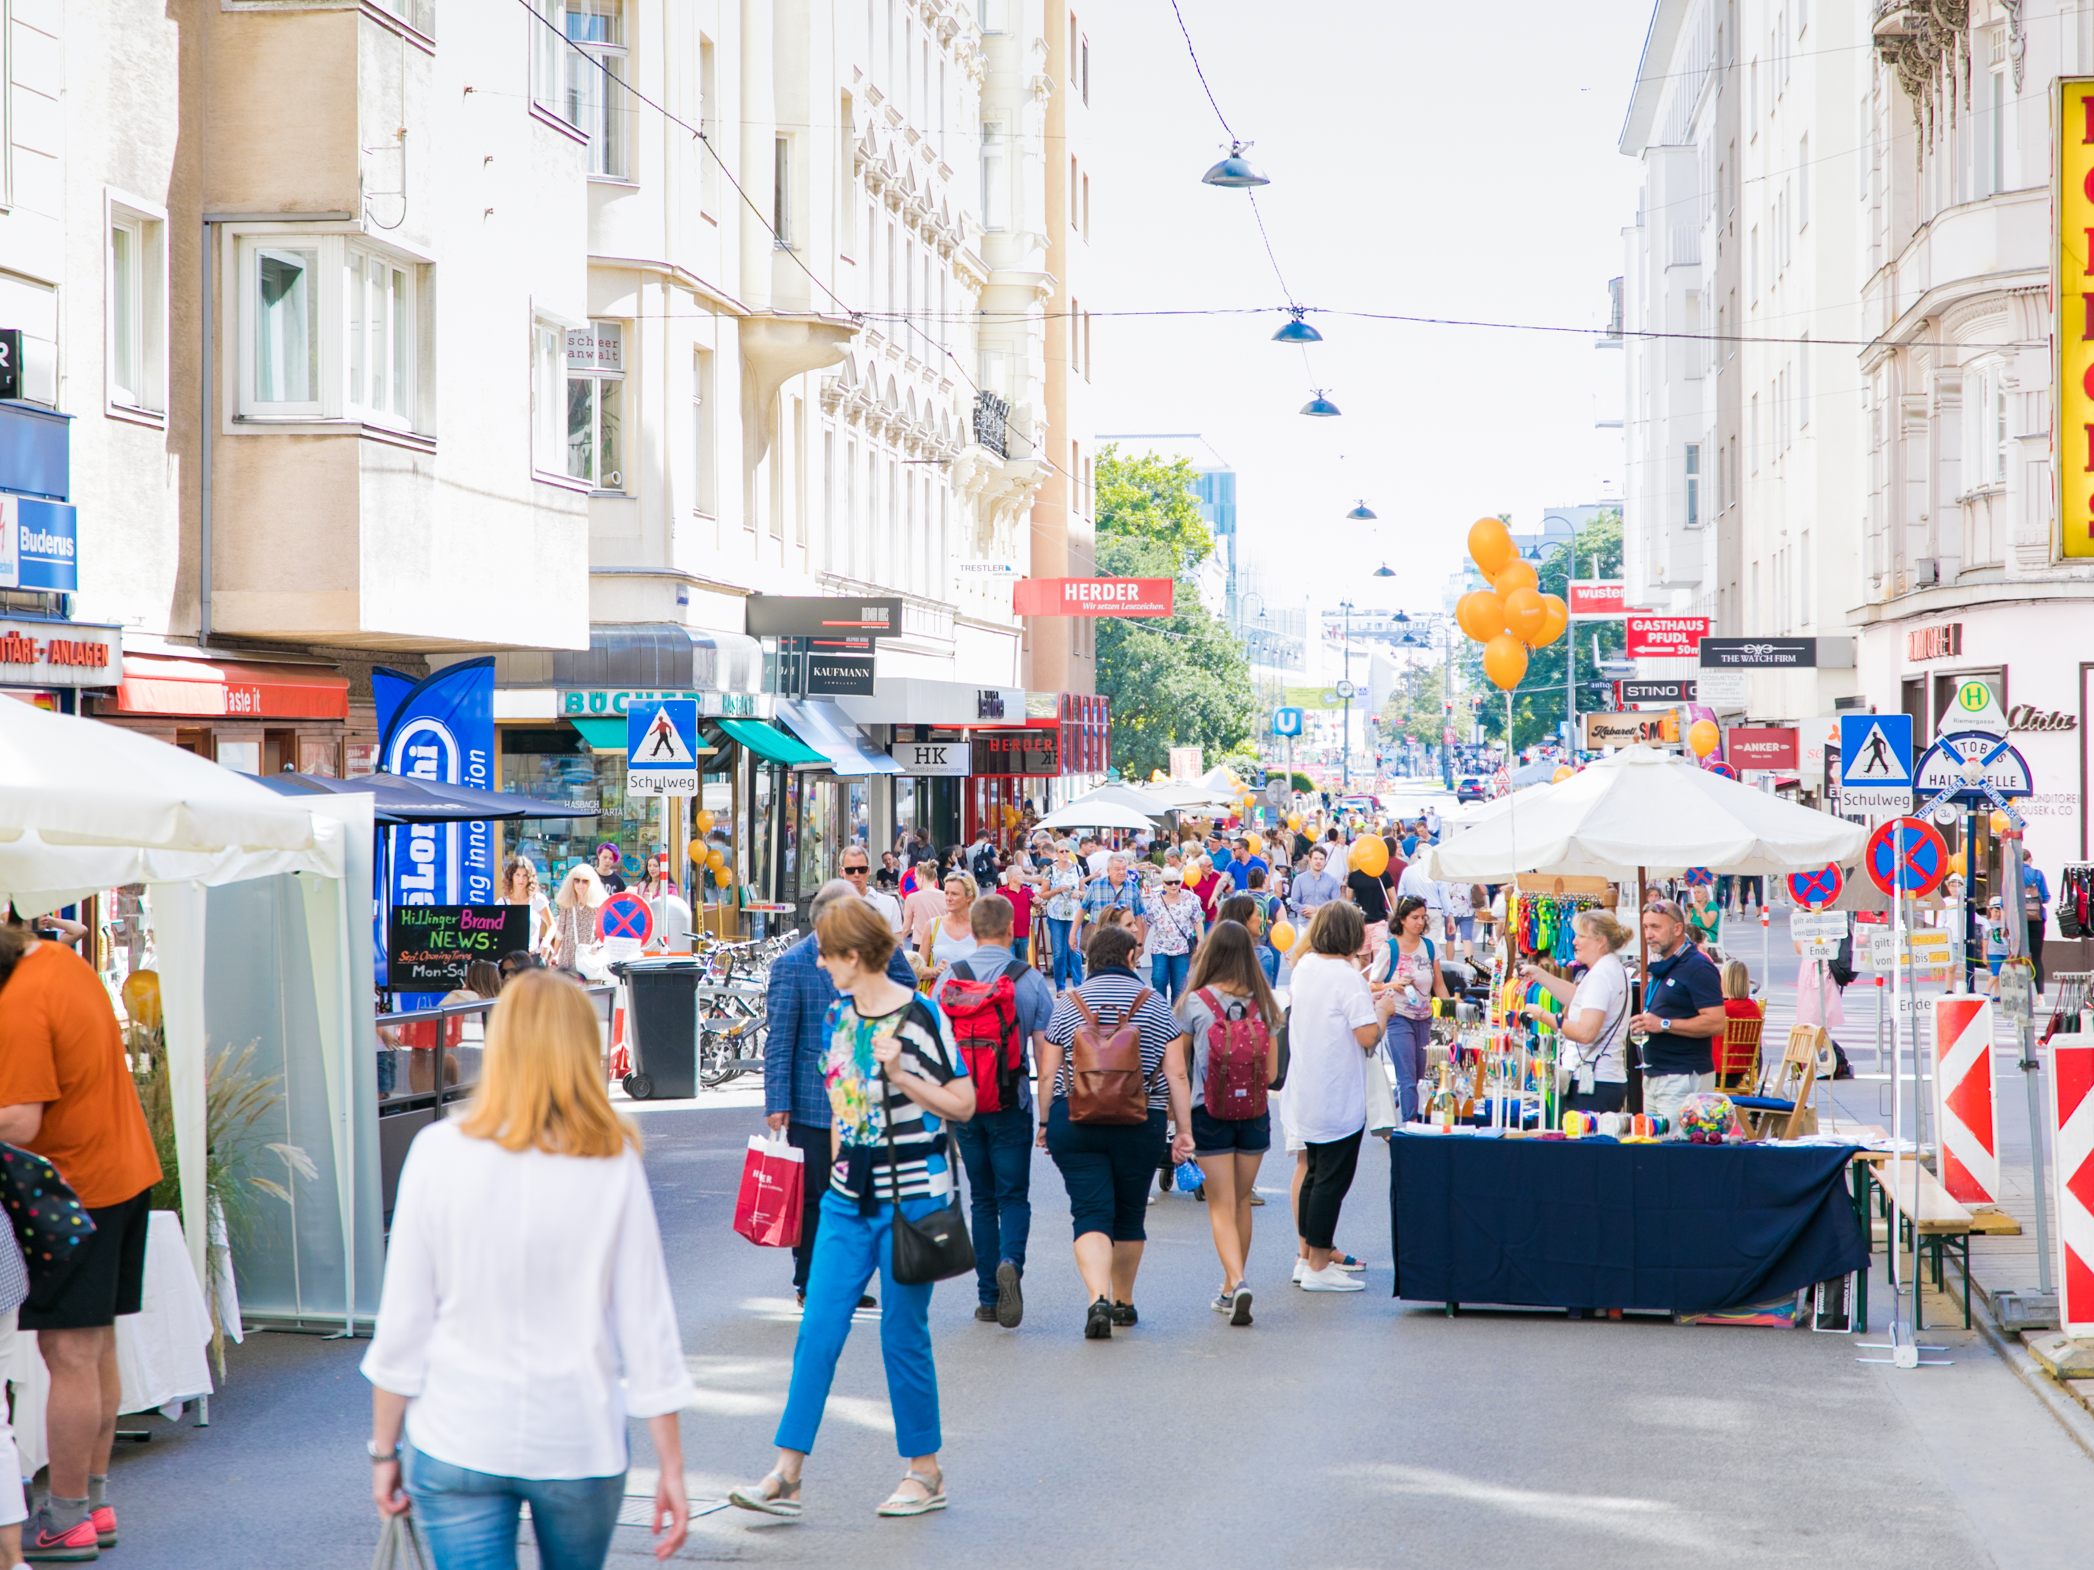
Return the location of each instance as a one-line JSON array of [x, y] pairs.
[[1185, 797], [1128, 796], [1642, 808], [1089, 814]]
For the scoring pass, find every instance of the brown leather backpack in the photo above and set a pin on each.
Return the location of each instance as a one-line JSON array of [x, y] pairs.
[[1106, 1084]]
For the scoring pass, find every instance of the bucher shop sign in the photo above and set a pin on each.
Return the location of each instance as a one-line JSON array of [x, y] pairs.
[[1017, 752], [60, 654]]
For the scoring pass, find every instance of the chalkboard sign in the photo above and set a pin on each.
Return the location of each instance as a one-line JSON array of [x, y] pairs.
[[428, 946]]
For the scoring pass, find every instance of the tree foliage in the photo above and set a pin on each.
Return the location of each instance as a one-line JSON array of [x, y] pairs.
[[1173, 681], [1414, 706], [1538, 703]]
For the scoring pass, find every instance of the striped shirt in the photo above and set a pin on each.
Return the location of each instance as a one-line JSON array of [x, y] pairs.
[[1109, 993], [866, 1105]]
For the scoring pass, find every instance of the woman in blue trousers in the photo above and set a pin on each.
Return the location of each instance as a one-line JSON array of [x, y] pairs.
[[894, 1080]]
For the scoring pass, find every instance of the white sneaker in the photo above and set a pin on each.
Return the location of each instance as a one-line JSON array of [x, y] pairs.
[[1331, 1279], [1301, 1268]]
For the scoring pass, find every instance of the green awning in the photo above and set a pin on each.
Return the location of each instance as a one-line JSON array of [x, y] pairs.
[[606, 733], [602, 735], [769, 742]]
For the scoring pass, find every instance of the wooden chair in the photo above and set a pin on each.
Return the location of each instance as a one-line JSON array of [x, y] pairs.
[[1738, 1057], [1788, 1096]]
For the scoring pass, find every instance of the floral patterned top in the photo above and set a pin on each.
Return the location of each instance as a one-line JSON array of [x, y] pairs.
[[863, 1104], [1065, 892]]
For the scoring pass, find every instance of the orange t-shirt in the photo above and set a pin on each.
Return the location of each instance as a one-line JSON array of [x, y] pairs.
[[59, 1045]]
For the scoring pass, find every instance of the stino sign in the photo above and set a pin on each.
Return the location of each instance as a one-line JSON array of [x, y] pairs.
[[1664, 635], [1092, 596]]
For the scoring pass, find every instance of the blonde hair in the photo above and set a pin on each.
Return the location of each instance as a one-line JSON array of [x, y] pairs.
[[590, 894], [1601, 924], [1737, 980], [541, 1078], [965, 881]]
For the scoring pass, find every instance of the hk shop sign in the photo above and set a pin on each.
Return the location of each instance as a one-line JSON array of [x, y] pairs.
[[1093, 596], [937, 759], [1012, 753], [1659, 636]]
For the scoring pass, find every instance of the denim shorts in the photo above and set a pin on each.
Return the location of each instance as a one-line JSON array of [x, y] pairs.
[[1107, 1169], [1213, 1136]]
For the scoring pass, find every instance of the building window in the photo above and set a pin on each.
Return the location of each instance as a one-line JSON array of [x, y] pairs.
[[1083, 72], [1075, 337], [1998, 460], [548, 397], [1075, 212], [709, 123], [1693, 475], [1803, 182], [702, 461], [137, 325], [781, 190], [595, 99], [1090, 365], [595, 405], [331, 329], [996, 16], [1803, 382], [549, 54], [996, 176], [1086, 208]]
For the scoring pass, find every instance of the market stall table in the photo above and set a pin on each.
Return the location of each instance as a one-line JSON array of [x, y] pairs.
[[1595, 1224]]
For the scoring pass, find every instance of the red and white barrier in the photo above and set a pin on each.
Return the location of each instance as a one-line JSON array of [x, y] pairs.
[[2072, 1130], [1966, 1098]]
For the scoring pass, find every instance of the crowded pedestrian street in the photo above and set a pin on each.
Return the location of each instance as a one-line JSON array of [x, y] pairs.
[[911, 783]]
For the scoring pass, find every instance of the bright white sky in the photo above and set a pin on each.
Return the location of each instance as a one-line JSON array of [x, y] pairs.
[[1450, 160]]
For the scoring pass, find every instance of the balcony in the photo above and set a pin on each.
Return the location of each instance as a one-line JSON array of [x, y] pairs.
[[992, 423]]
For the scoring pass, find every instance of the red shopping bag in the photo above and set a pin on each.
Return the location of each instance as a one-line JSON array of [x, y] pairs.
[[767, 1210]]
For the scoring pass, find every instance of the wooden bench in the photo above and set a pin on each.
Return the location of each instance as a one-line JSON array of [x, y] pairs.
[[1934, 1225]]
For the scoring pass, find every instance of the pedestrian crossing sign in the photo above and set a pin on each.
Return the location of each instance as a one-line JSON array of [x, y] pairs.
[[1876, 762], [661, 747]]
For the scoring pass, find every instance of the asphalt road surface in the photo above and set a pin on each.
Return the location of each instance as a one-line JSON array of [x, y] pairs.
[[1335, 1432]]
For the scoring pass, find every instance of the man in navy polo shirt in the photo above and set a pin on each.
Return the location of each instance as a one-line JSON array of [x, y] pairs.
[[1682, 1013]]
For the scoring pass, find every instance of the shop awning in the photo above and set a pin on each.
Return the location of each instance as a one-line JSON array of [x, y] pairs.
[[770, 743], [843, 746], [222, 689], [608, 735]]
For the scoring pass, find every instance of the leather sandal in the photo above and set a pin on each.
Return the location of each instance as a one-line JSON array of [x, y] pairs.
[[784, 1502], [899, 1504]]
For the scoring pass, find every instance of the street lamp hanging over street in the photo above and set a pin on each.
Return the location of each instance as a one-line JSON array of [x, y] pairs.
[[1385, 571], [1362, 513], [1297, 330], [1319, 406], [1234, 173]]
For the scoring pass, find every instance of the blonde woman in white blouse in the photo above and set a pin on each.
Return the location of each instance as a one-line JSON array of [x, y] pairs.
[[526, 1313]]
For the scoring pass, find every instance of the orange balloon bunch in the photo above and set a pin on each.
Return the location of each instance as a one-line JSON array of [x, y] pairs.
[[1512, 617]]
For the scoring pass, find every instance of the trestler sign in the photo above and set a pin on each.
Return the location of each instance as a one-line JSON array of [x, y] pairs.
[[937, 759], [1093, 596]]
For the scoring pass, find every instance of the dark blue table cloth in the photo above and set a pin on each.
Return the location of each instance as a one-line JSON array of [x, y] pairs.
[[1595, 1224]]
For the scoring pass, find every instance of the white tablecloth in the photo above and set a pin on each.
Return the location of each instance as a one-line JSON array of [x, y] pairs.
[[162, 1351]]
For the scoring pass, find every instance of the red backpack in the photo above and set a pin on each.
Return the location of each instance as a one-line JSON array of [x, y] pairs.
[[1236, 1051], [984, 1018]]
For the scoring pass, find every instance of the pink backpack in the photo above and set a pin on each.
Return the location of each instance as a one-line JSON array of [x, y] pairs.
[[1237, 1044]]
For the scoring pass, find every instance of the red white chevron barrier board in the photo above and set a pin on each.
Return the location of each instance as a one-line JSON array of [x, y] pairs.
[[1966, 1100], [2072, 1130]]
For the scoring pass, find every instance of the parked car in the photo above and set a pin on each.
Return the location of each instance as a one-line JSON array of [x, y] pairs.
[[1471, 789]]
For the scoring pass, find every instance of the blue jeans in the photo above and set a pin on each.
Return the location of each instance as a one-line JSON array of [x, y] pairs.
[[1068, 969], [1406, 1039], [469, 1518], [996, 1148], [848, 1252], [1269, 962], [1167, 973]]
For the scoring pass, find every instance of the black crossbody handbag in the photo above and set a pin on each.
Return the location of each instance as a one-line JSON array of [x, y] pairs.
[[935, 1247]]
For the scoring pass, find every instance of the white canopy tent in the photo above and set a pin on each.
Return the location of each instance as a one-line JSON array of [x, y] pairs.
[[1090, 813], [86, 807], [1641, 808], [1131, 797]]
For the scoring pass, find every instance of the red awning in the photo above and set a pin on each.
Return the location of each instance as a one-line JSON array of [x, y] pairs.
[[155, 684]]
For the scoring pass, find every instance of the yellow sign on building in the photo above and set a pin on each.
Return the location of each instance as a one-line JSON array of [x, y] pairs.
[[2073, 330]]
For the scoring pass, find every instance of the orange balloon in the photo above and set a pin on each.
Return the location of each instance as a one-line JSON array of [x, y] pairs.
[[1481, 614], [1703, 738], [2000, 822], [1557, 618], [1505, 661], [1490, 545], [1282, 935], [1563, 772], [1524, 614], [1370, 854], [1515, 574]]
